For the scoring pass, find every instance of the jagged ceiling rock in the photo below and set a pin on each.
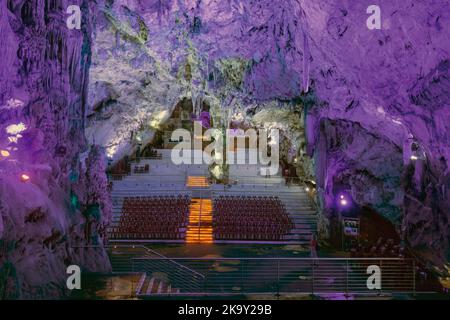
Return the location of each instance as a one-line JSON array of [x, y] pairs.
[[362, 75], [366, 76], [238, 49]]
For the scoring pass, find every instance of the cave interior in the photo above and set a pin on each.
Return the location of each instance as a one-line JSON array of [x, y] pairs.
[[91, 109]]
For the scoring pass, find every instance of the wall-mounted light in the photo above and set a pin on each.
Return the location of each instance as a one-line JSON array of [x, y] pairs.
[[343, 200], [24, 177], [4, 153]]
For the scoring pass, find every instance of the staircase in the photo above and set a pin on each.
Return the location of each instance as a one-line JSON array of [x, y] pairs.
[[149, 286], [169, 275], [197, 182], [302, 213], [200, 228]]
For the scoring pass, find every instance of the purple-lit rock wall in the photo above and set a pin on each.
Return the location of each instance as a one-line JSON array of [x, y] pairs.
[[393, 85], [47, 221]]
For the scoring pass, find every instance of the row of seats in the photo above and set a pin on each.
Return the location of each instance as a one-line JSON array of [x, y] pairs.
[[157, 199], [220, 235], [147, 235], [141, 169], [249, 198], [250, 218], [383, 248], [153, 217]]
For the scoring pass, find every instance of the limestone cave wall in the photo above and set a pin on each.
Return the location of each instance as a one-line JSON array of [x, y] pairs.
[[53, 197]]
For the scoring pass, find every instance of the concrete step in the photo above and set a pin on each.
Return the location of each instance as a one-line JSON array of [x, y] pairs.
[[154, 286]]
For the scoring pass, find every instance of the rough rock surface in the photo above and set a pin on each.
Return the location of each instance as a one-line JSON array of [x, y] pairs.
[[393, 83], [47, 221]]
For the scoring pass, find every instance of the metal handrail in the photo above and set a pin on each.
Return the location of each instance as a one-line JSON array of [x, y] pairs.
[[249, 179], [171, 260], [291, 274], [160, 256], [282, 258], [252, 275]]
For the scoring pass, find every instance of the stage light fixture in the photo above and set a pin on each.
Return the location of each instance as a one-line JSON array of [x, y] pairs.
[[24, 177]]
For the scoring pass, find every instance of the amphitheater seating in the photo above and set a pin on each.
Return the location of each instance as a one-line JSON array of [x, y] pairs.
[[250, 218], [141, 169], [157, 217]]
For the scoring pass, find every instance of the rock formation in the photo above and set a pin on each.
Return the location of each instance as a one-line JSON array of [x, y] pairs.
[[47, 198]]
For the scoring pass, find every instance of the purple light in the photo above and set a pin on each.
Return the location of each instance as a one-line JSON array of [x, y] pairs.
[[343, 200]]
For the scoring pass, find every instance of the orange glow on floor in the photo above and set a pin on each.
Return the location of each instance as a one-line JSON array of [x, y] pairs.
[[200, 229], [200, 181]]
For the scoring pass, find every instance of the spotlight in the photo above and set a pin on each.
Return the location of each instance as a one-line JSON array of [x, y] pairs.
[[414, 158], [307, 189], [4, 153], [343, 200], [24, 177]]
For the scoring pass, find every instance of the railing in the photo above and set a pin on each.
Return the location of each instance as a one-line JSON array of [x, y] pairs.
[[271, 276], [133, 258], [180, 175], [176, 274], [275, 276], [140, 259], [137, 160]]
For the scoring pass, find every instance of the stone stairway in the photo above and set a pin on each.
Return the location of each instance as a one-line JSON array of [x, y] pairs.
[[302, 213], [148, 286], [199, 229], [197, 182]]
